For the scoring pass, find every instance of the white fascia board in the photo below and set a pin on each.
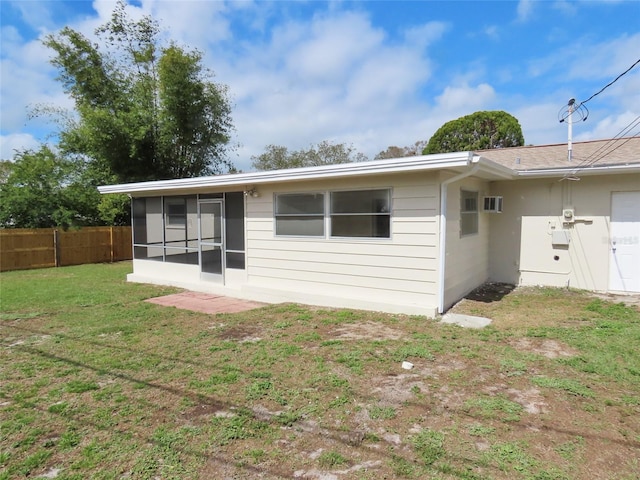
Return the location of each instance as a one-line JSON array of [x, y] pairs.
[[374, 167], [577, 171]]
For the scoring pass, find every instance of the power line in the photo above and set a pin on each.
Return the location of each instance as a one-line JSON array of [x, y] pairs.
[[607, 148], [611, 82]]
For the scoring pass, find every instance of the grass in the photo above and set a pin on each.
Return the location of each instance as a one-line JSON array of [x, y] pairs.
[[96, 383]]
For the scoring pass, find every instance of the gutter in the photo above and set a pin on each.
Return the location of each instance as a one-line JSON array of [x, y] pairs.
[[559, 172], [443, 227]]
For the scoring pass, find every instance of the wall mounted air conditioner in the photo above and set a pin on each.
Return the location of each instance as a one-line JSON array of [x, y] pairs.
[[492, 204]]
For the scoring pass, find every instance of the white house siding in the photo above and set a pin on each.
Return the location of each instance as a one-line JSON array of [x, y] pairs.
[[522, 251], [396, 274], [466, 257]]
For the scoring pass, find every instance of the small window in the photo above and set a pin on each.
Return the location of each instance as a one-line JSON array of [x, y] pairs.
[[468, 212], [300, 214], [493, 204], [361, 213], [176, 212]]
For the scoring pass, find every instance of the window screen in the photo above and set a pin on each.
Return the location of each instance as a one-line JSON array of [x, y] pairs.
[[300, 214]]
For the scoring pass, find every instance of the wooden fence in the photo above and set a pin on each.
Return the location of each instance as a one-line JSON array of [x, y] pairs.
[[48, 247]]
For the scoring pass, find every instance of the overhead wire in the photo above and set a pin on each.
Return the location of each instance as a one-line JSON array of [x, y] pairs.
[[610, 83], [602, 151], [607, 148], [596, 155]]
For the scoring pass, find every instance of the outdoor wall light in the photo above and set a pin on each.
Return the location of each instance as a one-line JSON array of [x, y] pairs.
[[252, 192]]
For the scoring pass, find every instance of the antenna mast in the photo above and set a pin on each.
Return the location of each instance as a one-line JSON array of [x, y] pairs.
[[572, 101], [566, 113]]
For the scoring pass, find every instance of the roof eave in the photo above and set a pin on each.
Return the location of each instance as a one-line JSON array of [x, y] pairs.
[[375, 167]]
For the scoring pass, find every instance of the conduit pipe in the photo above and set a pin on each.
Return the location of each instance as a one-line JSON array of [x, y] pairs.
[[443, 228]]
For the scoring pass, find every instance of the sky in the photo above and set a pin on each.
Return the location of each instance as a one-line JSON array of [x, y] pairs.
[[370, 74]]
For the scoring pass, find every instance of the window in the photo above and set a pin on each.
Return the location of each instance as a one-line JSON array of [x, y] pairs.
[[468, 212], [176, 211], [300, 214], [361, 213]]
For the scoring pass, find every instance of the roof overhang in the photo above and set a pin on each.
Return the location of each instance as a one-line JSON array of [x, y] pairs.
[[451, 161]]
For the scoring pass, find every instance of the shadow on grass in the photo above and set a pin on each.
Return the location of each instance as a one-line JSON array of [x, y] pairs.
[[490, 292]]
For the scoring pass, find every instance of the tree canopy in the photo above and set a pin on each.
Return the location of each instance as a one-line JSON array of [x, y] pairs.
[[278, 157], [399, 152], [144, 111], [45, 190], [478, 131]]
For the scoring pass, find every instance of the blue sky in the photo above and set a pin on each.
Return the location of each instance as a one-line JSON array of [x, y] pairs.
[[370, 74]]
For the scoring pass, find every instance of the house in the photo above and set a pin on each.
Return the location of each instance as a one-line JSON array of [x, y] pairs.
[[410, 235]]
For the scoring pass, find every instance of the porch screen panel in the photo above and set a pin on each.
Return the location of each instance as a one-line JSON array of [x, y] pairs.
[[234, 229], [148, 228], [165, 229]]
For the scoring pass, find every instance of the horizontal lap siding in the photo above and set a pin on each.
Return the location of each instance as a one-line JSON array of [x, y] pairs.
[[402, 269]]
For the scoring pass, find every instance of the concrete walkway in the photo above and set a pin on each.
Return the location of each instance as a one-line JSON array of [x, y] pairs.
[[205, 303]]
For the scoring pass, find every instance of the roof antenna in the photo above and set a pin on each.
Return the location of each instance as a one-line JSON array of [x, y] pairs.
[[571, 103], [566, 113]]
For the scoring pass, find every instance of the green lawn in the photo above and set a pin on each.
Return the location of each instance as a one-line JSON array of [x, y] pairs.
[[97, 383]]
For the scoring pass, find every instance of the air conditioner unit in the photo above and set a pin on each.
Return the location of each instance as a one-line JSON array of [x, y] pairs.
[[568, 215], [492, 204]]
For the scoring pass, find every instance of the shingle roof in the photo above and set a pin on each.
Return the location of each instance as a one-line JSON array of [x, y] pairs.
[[621, 151]]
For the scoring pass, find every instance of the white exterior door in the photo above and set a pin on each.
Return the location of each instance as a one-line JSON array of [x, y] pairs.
[[624, 247]]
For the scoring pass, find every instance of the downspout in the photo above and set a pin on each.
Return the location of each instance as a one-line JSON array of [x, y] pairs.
[[443, 230]]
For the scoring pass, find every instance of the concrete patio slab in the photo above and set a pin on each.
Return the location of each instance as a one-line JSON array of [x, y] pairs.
[[205, 303]]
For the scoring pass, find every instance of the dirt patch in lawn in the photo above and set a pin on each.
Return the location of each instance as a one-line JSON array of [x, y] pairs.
[[240, 333], [366, 331]]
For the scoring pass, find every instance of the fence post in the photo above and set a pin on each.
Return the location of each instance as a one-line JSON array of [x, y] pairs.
[[111, 242], [56, 247]]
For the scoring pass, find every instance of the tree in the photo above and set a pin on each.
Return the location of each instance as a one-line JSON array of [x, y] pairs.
[[325, 153], [45, 190], [478, 131], [5, 169], [398, 152], [144, 112]]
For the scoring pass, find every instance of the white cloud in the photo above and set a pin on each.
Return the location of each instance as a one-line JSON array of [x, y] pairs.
[[565, 7], [424, 35], [191, 22], [11, 143], [613, 126], [524, 10], [333, 45], [539, 122], [334, 77], [464, 98], [491, 31], [35, 14]]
